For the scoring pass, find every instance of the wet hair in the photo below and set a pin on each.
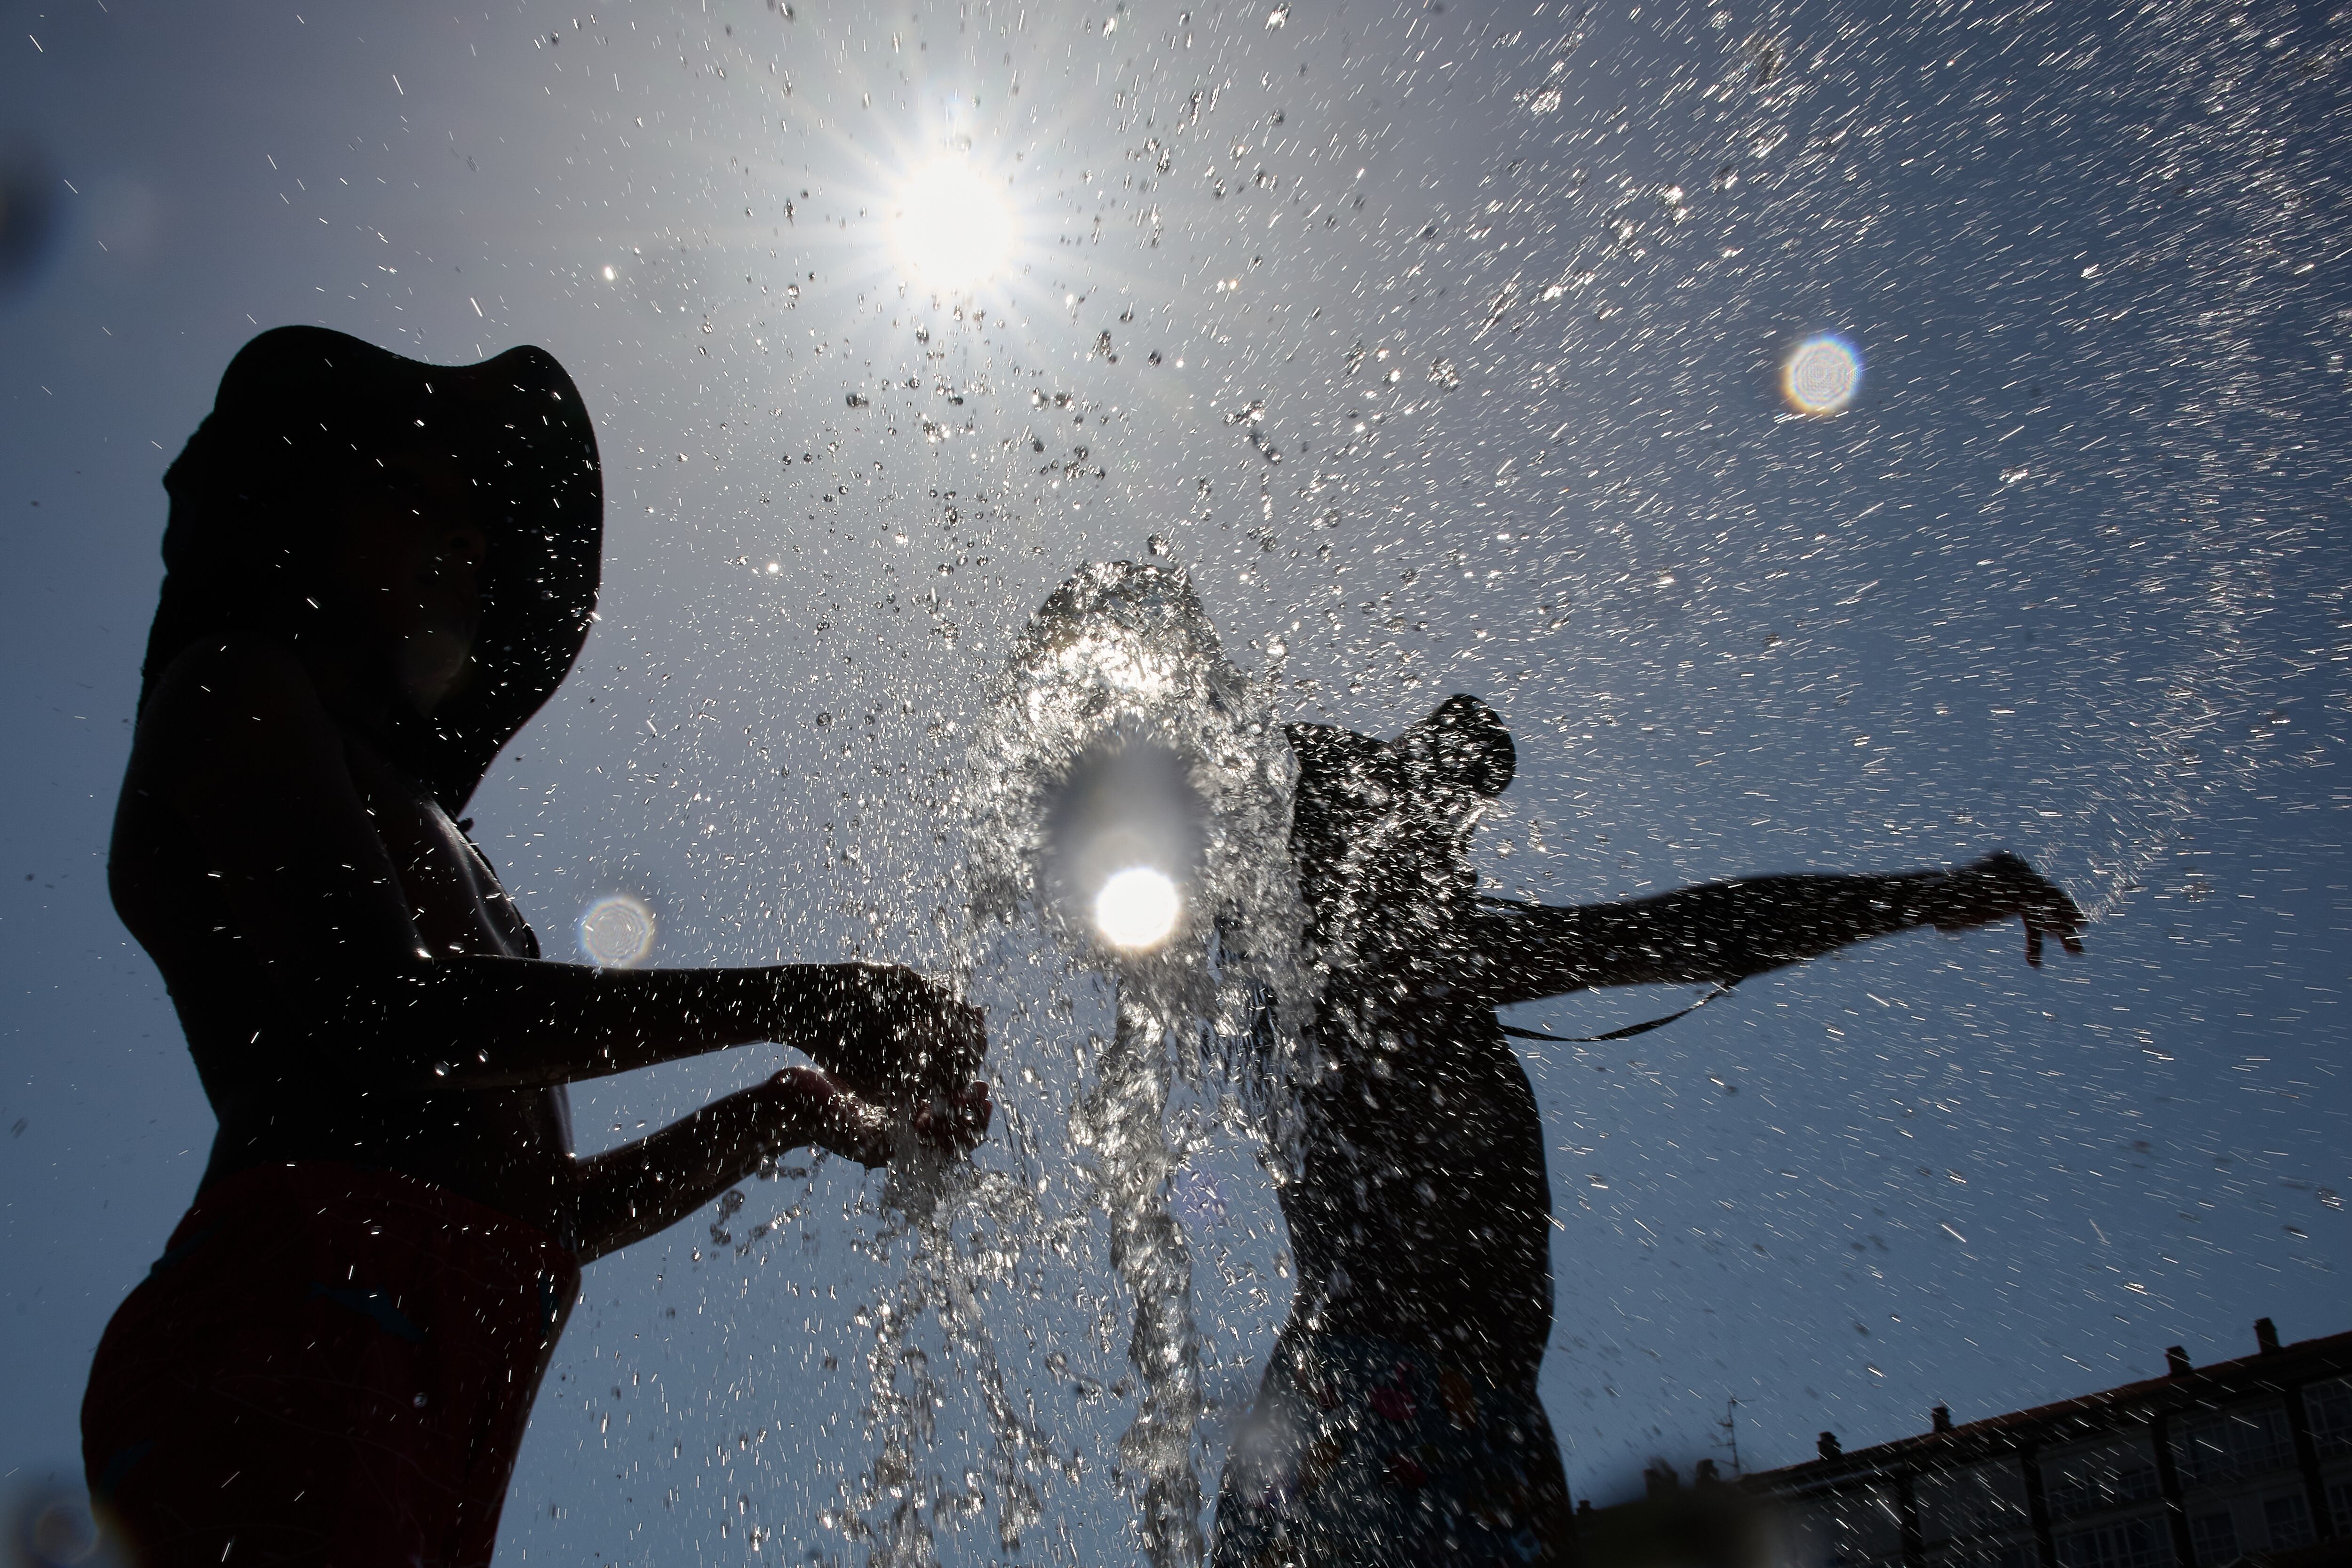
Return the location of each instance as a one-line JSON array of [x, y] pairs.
[[1377, 827]]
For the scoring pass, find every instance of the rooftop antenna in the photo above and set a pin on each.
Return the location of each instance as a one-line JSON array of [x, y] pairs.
[[1729, 1428]]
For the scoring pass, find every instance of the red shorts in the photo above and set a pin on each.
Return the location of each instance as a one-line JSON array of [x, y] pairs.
[[328, 1365]]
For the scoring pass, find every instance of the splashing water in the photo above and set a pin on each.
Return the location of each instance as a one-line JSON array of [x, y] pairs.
[[894, 1510], [1117, 689], [1121, 755]]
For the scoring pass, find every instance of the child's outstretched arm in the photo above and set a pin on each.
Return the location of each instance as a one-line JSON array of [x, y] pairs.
[[1725, 931], [627, 1194], [253, 774]]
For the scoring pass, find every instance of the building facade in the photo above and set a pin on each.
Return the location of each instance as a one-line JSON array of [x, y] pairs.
[[2247, 1458]]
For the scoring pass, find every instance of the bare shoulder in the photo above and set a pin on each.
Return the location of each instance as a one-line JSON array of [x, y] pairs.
[[240, 708], [259, 679], [231, 732], [240, 783]]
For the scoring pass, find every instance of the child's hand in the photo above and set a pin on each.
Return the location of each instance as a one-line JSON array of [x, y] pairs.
[[955, 1125], [891, 1036], [819, 1111], [2001, 885]]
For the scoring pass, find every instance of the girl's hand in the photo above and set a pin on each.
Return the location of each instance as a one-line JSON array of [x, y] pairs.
[[2001, 885], [819, 1111], [887, 1034]]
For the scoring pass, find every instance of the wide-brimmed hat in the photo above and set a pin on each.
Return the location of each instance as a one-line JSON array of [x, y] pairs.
[[305, 418]]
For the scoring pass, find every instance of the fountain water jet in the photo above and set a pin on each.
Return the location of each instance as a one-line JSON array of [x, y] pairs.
[[1130, 791]]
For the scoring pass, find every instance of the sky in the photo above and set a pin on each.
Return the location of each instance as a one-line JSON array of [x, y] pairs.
[[1446, 346]]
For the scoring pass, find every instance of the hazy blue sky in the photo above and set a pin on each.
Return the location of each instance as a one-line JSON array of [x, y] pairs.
[[1443, 343]]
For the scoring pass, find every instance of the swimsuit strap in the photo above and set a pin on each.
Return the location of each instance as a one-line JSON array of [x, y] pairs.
[[1722, 988]]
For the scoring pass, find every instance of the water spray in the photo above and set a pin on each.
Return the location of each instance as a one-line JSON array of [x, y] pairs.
[[1132, 793]]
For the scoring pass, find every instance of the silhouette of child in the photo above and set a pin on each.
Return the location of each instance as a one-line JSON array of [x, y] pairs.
[[1398, 1422], [378, 571]]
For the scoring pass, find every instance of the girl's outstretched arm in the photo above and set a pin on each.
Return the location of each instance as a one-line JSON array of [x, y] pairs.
[[1725, 932], [627, 1194], [252, 771]]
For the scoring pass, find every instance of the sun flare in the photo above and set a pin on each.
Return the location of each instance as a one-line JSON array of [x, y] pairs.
[[951, 227], [1137, 909]]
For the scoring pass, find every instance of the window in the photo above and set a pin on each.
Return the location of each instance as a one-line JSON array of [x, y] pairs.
[[2089, 1483], [2330, 1408], [2288, 1520], [2016, 1554], [2249, 1441], [2213, 1539], [1975, 1500], [2340, 1503], [1845, 1531], [2132, 1543]]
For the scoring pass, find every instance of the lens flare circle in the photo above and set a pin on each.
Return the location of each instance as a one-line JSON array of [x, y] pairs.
[[1823, 375], [950, 225], [616, 932], [1137, 909], [61, 1534]]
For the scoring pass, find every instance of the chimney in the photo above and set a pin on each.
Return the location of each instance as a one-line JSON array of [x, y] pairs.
[[1942, 1417], [2176, 1361], [2267, 1336], [1706, 1475], [1660, 1480], [1827, 1444]]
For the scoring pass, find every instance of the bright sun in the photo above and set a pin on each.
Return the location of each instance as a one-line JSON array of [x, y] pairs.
[[1137, 909], [951, 228]]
